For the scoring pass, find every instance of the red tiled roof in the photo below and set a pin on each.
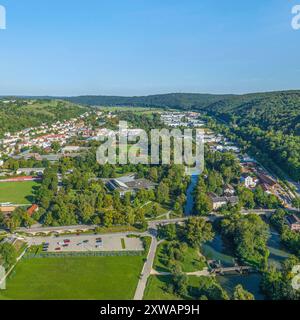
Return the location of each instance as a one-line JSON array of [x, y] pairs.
[[32, 209]]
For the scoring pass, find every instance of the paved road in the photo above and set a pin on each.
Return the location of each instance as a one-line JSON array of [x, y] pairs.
[[139, 293]]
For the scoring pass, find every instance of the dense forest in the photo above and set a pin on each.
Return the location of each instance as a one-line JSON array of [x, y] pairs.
[[21, 114]]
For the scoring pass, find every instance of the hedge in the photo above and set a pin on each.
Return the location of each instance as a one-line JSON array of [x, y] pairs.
[[83, 254]]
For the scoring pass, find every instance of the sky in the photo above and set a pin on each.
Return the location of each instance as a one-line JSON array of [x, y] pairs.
[[141, 47]]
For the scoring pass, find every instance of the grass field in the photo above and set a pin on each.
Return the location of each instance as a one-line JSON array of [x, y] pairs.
[[192, 261], [197, 287], [73, 278], [18, 192], [156, 288]]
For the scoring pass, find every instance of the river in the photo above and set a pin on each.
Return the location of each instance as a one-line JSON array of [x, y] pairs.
[[188, 209], [217, 250]]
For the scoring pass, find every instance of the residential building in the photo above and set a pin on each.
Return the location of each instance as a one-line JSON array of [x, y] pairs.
[[34, 208], [219, 202], [293, 222], [30, 171], [248, 181]]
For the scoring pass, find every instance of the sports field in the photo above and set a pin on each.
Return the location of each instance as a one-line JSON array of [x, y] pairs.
[[73, 278], [18, 192]]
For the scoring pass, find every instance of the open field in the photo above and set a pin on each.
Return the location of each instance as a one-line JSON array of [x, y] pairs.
[[73, 278], [192, 260], [18, 192]]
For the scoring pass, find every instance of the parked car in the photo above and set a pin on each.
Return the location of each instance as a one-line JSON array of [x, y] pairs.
[[57, 249], [67, 241]]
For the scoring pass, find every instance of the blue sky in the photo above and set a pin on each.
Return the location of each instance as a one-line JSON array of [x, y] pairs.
[[137, 47]]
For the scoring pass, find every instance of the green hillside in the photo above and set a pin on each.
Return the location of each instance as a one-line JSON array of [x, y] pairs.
[[22, 113]]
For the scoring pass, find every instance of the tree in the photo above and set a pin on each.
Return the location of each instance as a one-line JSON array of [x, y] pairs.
[[163, 193], [241, 294], [246, 198], [248, 235], [8, 255], [197, 231], [296, 203], [203, 204], [180, 284], [168, 232]]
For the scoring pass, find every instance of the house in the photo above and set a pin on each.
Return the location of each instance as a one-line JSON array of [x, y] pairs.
[[267, 180], [229, 190], [266, 188], [128, 184], [7, 208], [248, 181], [293, 221], [68, 149], [219, 202], [34, 208], [29, 171]]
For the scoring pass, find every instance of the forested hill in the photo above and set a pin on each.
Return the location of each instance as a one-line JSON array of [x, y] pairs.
[[21, 114], [278, 111], [273, 110], [172, 100]]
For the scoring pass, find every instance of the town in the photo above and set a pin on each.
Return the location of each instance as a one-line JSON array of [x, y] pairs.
[[120, 208]]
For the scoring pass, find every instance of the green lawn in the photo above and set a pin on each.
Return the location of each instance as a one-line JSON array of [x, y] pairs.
[[149, 207], [73, 278], [156, 289], [192, 260], [18, 192]]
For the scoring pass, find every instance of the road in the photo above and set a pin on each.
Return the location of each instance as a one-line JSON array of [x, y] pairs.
[[146, 272]]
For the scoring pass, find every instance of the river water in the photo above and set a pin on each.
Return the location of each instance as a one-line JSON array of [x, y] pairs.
[[217, 250], [188, 209]]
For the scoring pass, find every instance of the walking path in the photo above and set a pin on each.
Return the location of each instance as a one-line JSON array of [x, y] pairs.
[[139, 293], [200, 273]]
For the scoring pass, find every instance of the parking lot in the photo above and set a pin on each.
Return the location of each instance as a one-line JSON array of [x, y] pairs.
[[79, 243]]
